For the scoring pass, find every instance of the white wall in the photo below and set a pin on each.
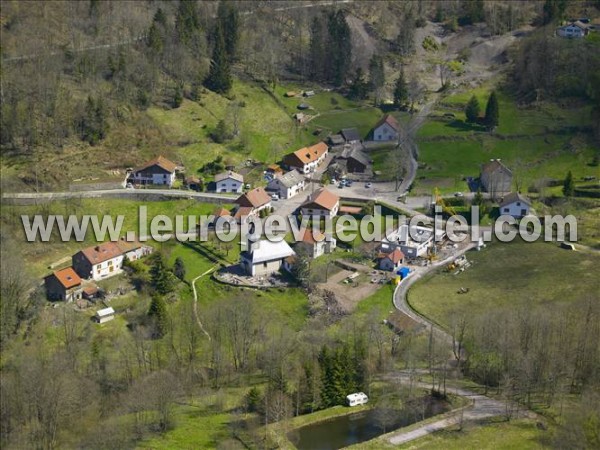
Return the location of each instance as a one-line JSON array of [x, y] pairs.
[[103, 270], [384, 133], [515, 209], [229, 185]]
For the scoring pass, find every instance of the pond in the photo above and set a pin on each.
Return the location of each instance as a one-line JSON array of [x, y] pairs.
[[362, 426]]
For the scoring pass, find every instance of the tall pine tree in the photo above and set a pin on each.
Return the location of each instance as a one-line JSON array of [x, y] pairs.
[[492, 112], [472, 110], [228, 20], [219, 75], [339, 48], [158, 312], [400, 91], [376, 76], [568, 185], [160, 277], [317, 49]]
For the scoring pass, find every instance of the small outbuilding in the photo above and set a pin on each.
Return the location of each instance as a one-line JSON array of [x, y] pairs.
[[104, 315], [351, 135], [392, 261], [515, 205]]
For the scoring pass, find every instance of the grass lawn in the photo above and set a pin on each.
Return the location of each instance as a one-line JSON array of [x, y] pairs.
[[510, 275], [517, 434], [40, 254]]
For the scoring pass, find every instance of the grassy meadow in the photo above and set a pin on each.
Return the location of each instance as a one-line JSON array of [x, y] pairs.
[[508, 275]]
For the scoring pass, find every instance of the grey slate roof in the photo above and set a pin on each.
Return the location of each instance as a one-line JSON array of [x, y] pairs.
[[229, 174], [514, 197], [350, 134], [290, 179]]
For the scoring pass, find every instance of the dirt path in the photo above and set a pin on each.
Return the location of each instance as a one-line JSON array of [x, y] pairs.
[[212, 269]]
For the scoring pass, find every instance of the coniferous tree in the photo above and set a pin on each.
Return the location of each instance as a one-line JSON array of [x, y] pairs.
[[187, 22], [154, 40], [160, 276], [400, 91], [492, 112], [179, 268], [219, 75], [228, 20], [339, 48], [158, 312], [472, 110], [359, 86], [568, 185]]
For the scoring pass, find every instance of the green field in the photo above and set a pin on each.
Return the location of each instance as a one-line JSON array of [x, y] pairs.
[[517, 434], [508, 275], [536, 143]]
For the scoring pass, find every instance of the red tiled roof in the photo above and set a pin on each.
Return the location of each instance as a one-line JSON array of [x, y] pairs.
[[243, 211], [390, 120], [67, 277], [255, 198], [103, 252], [323, 199], [161, 162], [350, 209]]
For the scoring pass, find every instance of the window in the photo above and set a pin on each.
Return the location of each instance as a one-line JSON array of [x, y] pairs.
[[506, 209]]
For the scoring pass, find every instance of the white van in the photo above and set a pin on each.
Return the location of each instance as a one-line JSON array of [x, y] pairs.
[[358, 398]]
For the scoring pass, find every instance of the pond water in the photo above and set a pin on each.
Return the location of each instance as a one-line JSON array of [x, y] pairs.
[[362, 426]]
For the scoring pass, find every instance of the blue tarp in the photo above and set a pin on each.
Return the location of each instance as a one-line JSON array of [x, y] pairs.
[[403, 272]]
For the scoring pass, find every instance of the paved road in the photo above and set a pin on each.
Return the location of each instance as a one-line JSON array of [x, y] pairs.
[[482, 408], [401, 290]]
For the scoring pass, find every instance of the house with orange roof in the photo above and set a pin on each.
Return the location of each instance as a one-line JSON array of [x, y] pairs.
[[387, 129], [159, 171], [64, 285], [313, 243], [105, 260], [307, 159], [323, 203], [252, 202]]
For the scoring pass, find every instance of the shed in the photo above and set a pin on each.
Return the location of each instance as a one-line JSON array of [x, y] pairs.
[[303, 106], [104, 315]]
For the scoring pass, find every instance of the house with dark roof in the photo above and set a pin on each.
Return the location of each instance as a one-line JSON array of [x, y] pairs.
[[306, 159], [391, 261], [159, 171], [576, 29], [354, 160], [323, 203], [350, 135], [387, 129], [288, 184], [516, 205], [495, 178], [64, 285], [229, 181], [314, 243]]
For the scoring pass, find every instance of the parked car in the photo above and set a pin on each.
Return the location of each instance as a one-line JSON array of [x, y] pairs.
[[341, 185], [368, 185], [274, 196], [348, 183], [458, 194]]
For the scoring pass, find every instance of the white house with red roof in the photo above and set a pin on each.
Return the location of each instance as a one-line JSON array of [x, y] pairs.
[[105, 260], [391, 261], [314, 243], [322, 203], [159, 171], [387, 129]]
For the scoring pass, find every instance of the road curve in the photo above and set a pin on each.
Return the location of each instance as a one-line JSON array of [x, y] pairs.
[[399, 297]]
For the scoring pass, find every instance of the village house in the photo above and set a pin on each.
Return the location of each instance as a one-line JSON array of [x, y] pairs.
[[314, 244], [64, 285], [353, 160], [391, 261], [105, 260], [104, 315], [263, 257], [387, 129], [229, 181], [575, 29], [159, 171], [413, 242], [351, 135], [495, 178], [287, 185], [322, 203], [194, 183], [306, 159], [252, 203], [516, 205]]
